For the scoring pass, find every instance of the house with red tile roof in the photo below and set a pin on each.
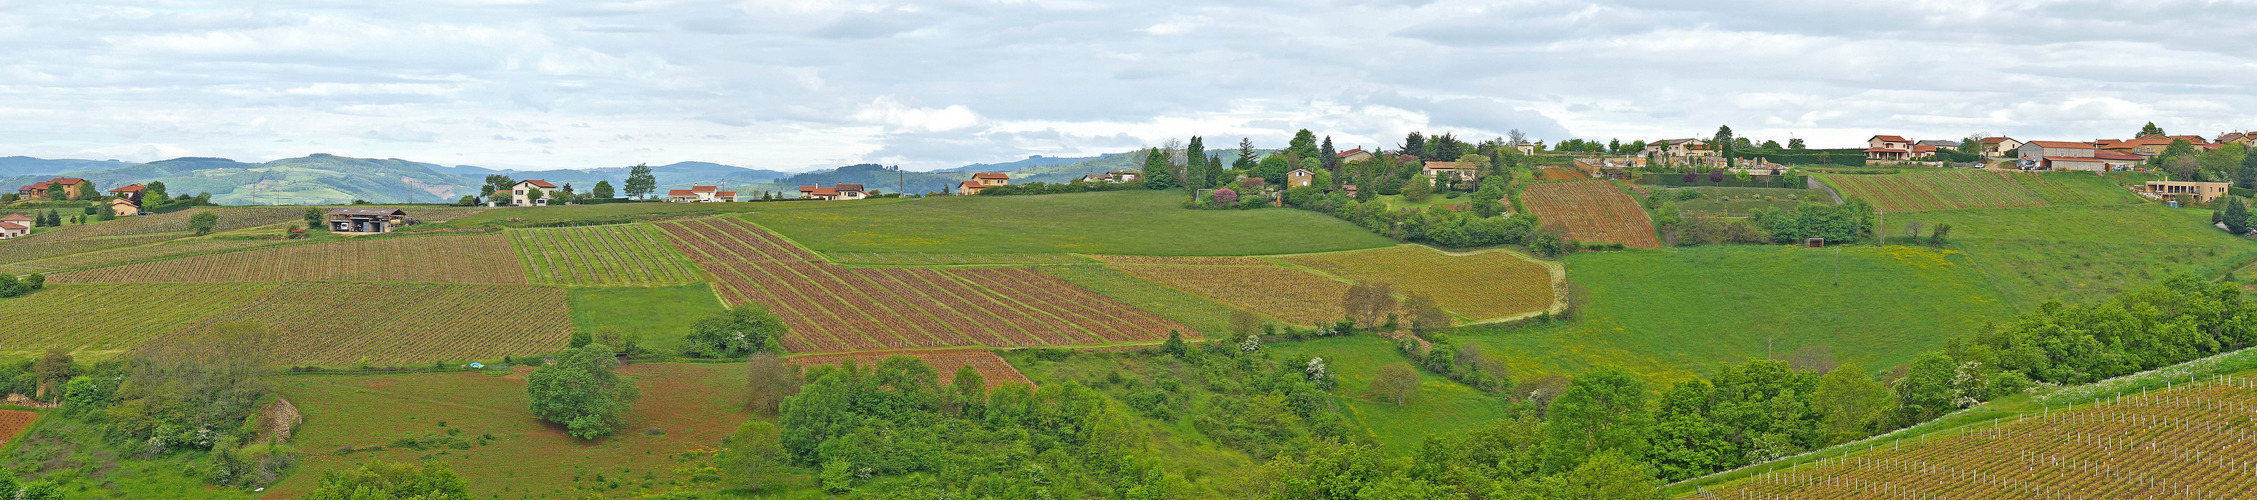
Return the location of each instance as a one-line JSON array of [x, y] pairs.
[[1997, 147], [700, 194], [2152, 145], [1894, 148], [130, 192], [70, 187], [1354, 155], [838, 192], [2248, 139], [521, 194], [981, 181], [15, 225], [2064, 155]]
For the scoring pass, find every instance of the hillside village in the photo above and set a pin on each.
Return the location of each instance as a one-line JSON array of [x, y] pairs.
[[1271, 311]]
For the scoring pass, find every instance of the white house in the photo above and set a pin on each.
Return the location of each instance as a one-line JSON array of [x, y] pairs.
[[521, 194], [700, 194]]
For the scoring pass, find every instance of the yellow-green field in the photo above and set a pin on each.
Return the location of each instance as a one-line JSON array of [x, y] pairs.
[[1475, 286]]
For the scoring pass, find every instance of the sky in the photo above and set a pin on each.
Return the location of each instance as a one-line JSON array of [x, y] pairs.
[[806, 84]]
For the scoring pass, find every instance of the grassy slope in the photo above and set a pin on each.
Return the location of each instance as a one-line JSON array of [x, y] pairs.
[[1740, 202], [1120, 222], [661, 314], [2083, 254], [1441, 406], [691, 406], [1672, 314]]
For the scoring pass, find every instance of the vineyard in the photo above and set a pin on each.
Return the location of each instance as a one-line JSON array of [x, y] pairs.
[[991, 367], [1560, 174], [953, 259], [13, 422], [402, 324], [101, 318], [1592, 211], [2189, 442], [832, 308], [1479, 286], [443, 259], [1964, 189], [160, 248], [1288, 294], [608, 255]]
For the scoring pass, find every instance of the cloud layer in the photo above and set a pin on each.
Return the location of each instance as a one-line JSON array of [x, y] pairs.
[[797, 84]]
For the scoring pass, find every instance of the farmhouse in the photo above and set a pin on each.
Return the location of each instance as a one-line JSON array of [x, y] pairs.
[[124, 207], [2151, 146], [1682, 151], [982, 180], [1096, 178], [1998, 147], [2060, 155], [1354, 155], [132, 192], [1299, 177], [367, 220], [521, 194], [1454, 171], [838, 192], [2243, 138], [2203, 192], [68, 187], [1891, 147], [14, 225], [1124, 175], [700, 194]]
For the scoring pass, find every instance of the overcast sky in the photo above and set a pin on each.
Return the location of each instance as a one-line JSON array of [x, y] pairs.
[[806, 84]]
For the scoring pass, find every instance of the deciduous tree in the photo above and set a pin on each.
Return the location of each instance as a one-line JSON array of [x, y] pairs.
[[581, 392], [640, 182]]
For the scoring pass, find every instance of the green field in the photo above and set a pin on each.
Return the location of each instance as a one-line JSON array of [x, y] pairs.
[[2083, 254], [1669, 315], [1440, 407], [662, 315], [103, 319], [482, 426], [609, 255], [1118, 222]]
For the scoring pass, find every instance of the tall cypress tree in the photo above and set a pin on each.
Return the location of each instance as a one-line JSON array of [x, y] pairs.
[[1245, 155], [1195, 164], [1329, 156]]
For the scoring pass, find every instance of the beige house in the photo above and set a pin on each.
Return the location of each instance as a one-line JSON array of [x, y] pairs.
[[981, 181], [1998, 147], [833, 193], [1453, 171], [2203, 192], [1299, 177], [124, 207], [2243, 138], [521, 194], [700, 194], [14, 226], [1354, 155]]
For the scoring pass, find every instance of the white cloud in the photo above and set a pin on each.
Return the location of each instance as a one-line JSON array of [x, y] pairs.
[[801, 84]]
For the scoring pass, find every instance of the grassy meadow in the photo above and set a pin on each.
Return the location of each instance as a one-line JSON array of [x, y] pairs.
[[1669, 315], [662, 315], [1441, 406], [1207, 317], [1741, 202], [2085, 253], [1115, 222]]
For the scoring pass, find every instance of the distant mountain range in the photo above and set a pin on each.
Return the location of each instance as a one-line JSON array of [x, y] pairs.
[[331, 179]]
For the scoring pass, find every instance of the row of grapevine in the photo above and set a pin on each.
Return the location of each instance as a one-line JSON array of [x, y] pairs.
[[1592, 211], [112, 317], [832, 308], [402, 323], [443, 259], [2190, 442], [608, 255]]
